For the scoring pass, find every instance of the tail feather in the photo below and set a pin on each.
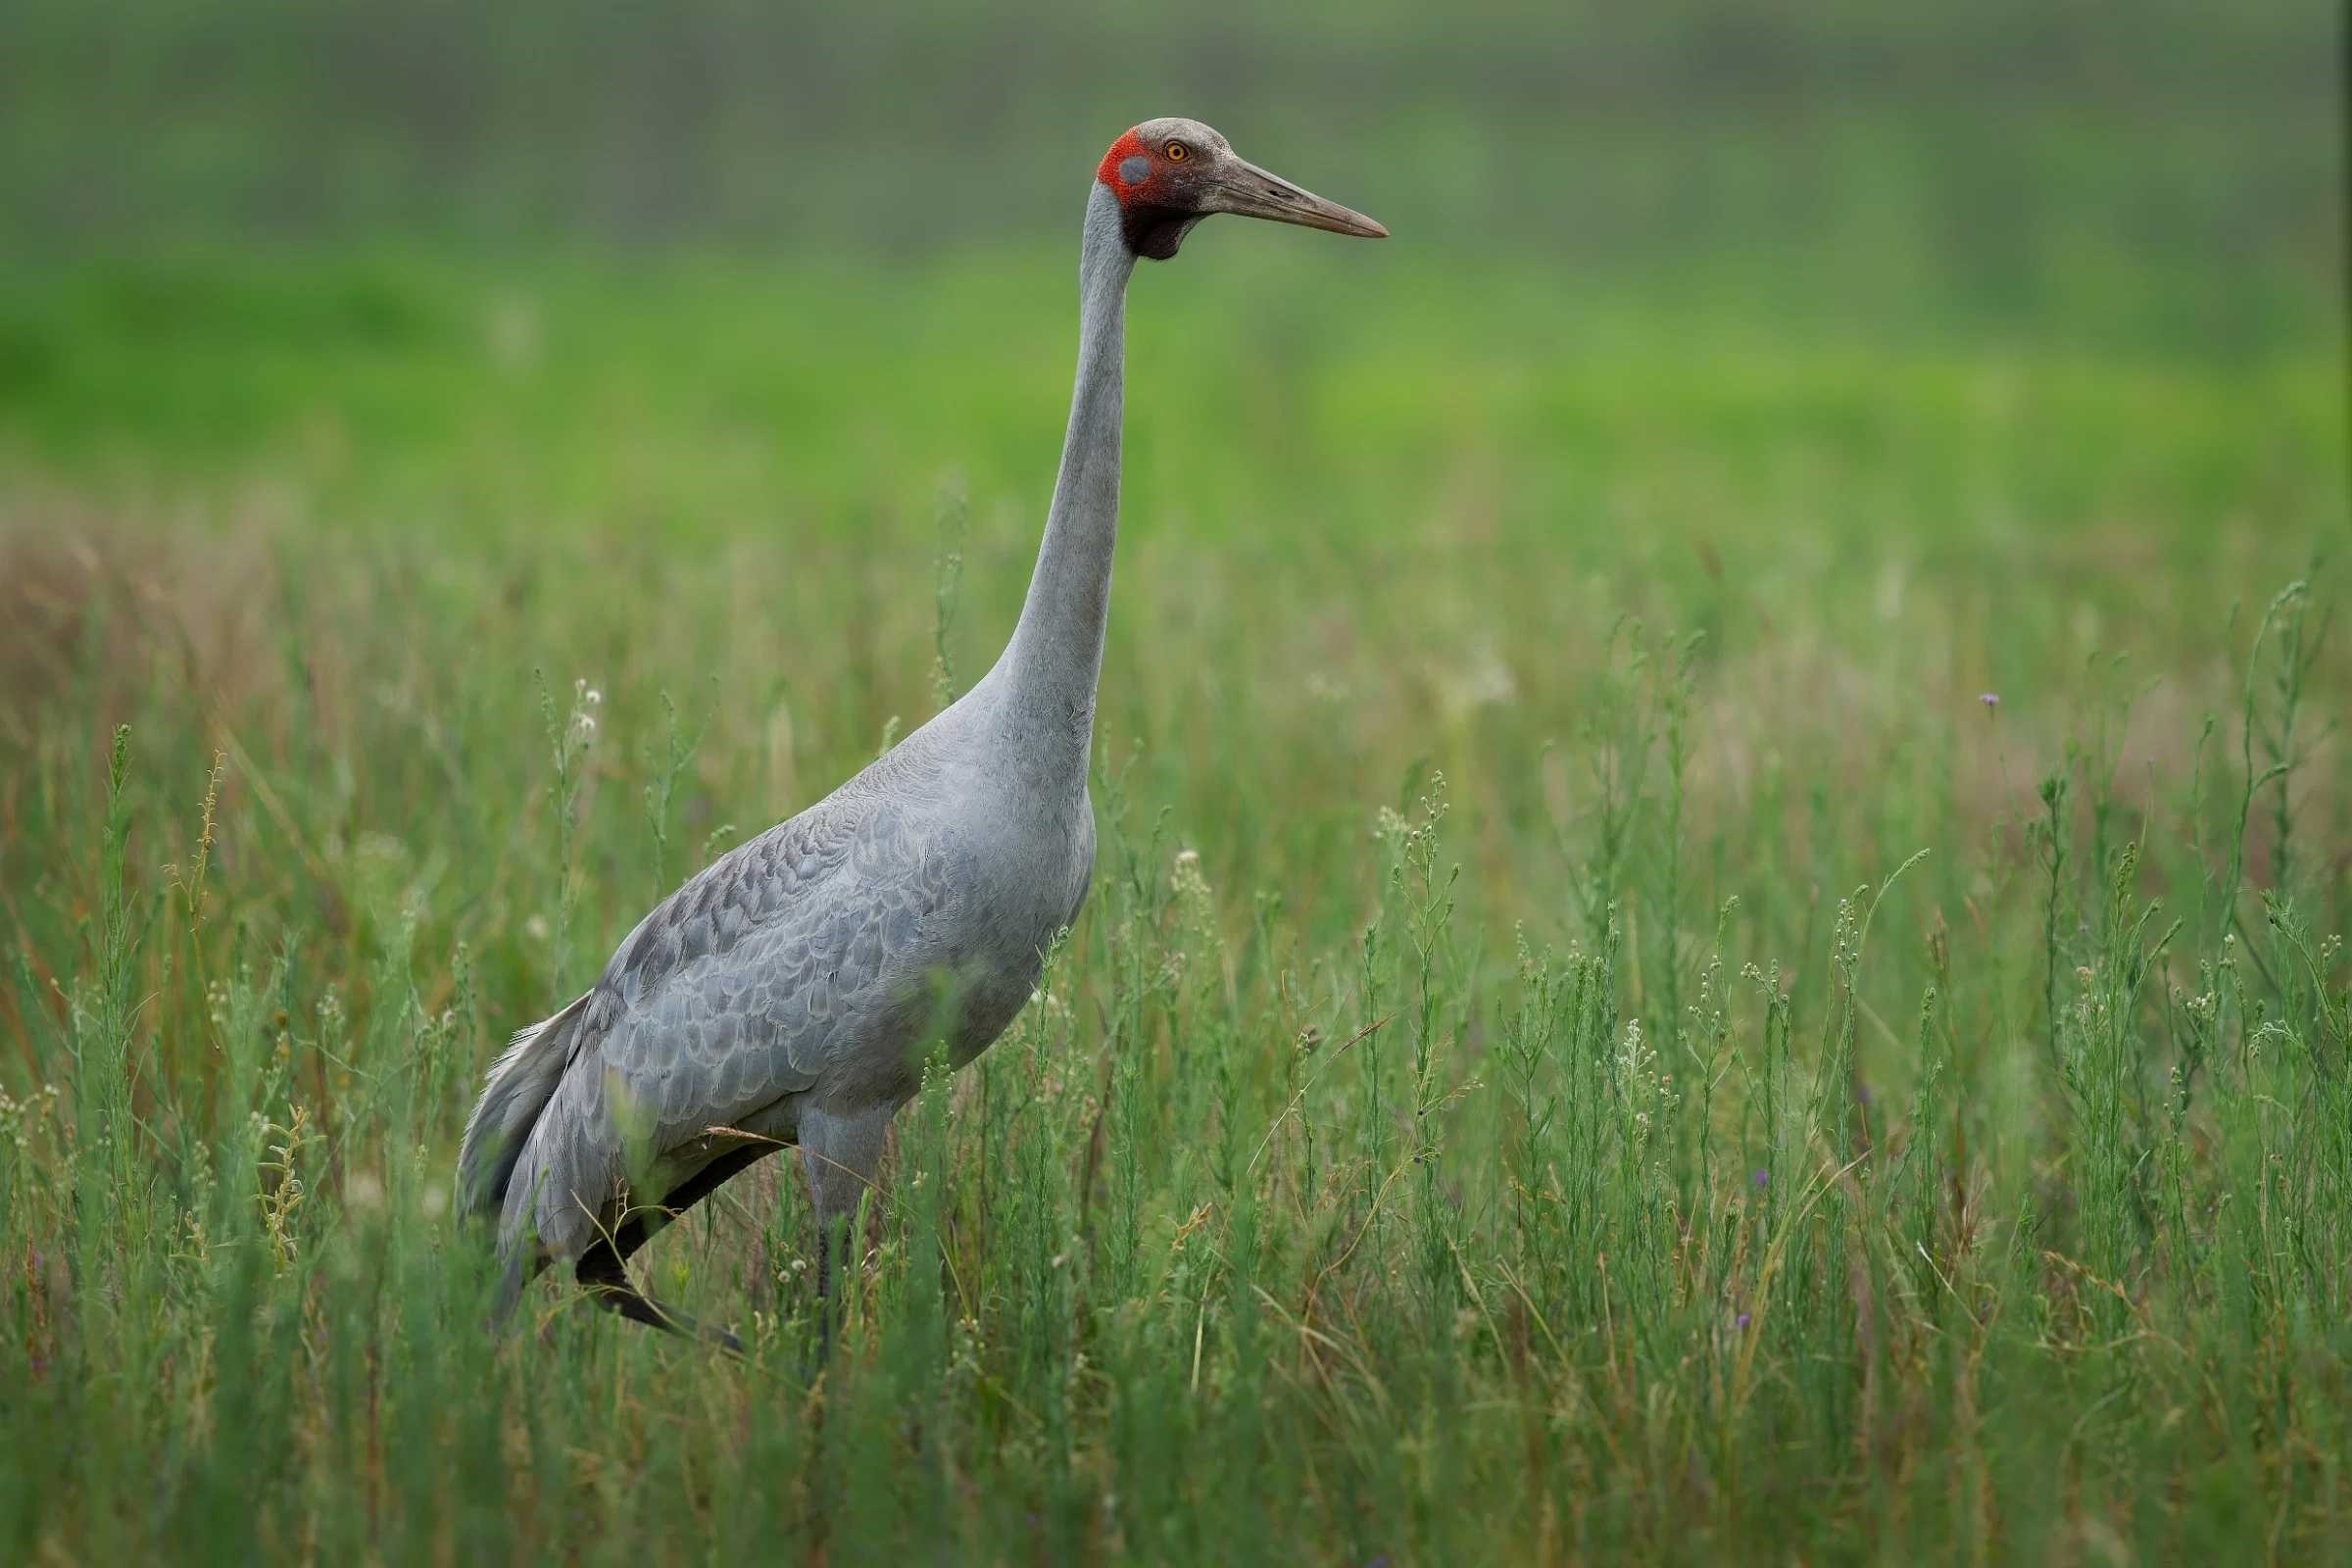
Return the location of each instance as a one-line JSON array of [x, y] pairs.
[[515, 1089]]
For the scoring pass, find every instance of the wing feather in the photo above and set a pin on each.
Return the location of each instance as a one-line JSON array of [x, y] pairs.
[[737, 991]]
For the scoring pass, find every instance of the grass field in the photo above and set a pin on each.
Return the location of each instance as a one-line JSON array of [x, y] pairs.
[[1718, 933]]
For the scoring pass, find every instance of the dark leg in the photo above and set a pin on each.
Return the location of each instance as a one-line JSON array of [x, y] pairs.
[[639, 1228], [599, 1268], [606, 1282], [840, 1155]]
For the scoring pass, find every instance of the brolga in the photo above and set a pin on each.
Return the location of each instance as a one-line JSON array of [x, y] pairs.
[[786, 993]]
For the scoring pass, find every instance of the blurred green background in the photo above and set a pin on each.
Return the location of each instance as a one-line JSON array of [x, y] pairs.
[[2166, 170], [2007, 266]]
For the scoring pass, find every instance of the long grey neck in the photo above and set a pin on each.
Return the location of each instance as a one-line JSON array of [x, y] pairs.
[[1056, 655]]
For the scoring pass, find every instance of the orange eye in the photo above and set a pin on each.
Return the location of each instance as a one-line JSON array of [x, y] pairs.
[[1177, 152]]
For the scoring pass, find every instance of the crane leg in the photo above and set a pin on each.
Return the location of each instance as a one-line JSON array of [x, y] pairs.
[[601, 1268], [840, 1155], [601, 1274]]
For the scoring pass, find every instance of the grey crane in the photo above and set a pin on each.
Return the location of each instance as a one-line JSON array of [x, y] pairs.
[[784, 993]]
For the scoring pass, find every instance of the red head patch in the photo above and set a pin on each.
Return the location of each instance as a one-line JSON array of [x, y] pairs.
[[1129, 168]]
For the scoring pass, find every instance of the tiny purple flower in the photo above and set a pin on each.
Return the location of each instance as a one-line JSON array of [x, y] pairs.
[[1741, 1322], [1990, 700], [1762, 1177]]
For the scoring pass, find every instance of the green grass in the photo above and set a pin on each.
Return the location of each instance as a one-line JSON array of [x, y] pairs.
[[1588, 1037]]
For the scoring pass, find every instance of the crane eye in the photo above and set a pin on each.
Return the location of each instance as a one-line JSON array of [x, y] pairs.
[[1177, 152]]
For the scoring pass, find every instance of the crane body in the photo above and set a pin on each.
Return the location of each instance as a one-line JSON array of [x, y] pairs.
[[784, 994]]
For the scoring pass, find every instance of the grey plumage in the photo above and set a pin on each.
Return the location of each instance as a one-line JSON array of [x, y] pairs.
[[783, 994]]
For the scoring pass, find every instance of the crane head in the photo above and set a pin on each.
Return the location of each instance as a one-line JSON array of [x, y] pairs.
[[1170, 174]]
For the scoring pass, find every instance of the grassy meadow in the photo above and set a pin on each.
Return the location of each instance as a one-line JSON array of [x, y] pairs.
[[1718, 934]]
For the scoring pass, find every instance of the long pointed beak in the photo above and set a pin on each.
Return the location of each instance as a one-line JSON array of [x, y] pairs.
[[1250, 191]]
